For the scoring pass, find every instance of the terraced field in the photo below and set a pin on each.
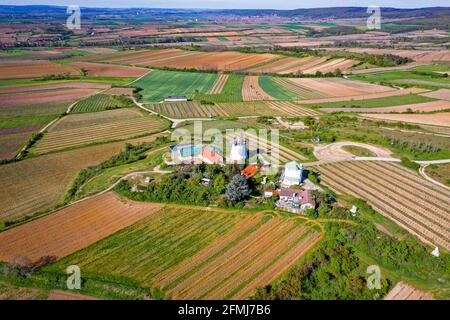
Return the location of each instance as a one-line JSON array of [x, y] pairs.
[[86, 222], [159, 84], [201, 254], [37, 184], [413, 203], [98, 102], [88, 128], [188, 109]]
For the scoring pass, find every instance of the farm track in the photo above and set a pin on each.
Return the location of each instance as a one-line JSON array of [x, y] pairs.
[[392, 204]]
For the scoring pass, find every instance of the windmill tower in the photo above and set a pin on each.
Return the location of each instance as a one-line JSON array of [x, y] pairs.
[[238, 153]]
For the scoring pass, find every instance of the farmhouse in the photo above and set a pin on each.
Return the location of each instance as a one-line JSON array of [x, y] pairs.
[[295, 199], [293, 174], [188, 153], [249, 171], [175, 98]]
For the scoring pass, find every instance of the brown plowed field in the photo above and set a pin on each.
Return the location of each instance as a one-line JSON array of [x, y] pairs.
[[67, 295], [219, 84], [173, 58], [251, 91], [37, 184], [12, 100], [338, 87], [435, 119], [109, 70], [63, 85], [34, 69], [416, 107], [411, 202], [73, 228], [403, 291], [443, 94]]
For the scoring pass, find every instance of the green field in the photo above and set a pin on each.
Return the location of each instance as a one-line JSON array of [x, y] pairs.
[[275, 90], [101, 102], [160, 83], [231, 92], [375, 103], [421, 78]]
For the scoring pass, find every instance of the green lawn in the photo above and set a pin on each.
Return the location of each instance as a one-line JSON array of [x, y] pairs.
[[375, 103], [275, 90], [231, 92], [160, 83]]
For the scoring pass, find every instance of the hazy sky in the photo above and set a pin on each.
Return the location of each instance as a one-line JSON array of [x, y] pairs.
[[238, 4]]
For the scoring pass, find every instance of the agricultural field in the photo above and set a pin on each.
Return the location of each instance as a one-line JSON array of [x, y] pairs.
[[34, 69], [10, 291], [77, 130], [189, 254], [100, 102], [252, 91], [377, 102], [404, 291], [434, 119], [297, 91], [48, 96], [219, 84], [443, 94], [231, 91], [87, 222], [272, 87], [432, 106], [109, 70], [413, 203], [266, 108], [189, 109], [179, 59], [406, 78], [367, 96], [158, 84], [38, 184]]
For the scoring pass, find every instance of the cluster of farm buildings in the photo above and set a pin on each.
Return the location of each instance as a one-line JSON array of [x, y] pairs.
[[291, 196]]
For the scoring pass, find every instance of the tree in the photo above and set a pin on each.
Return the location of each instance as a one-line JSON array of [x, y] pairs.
[[220, 183], [238, 189]]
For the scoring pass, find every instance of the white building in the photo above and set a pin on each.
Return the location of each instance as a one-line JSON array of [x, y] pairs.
[[293, 174], [238, 152]]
